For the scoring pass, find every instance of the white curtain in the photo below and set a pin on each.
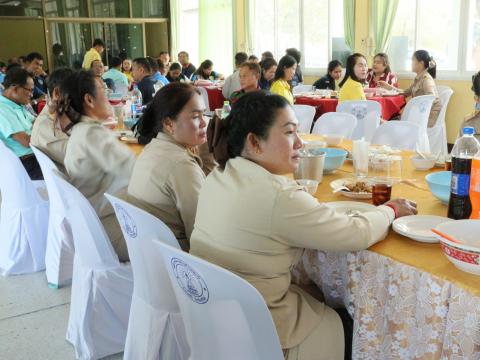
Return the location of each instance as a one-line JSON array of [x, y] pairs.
[[174, 27]]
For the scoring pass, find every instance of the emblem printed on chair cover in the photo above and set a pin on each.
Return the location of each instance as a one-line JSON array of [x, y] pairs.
[[359, 111], [127, 222], [190, 281], [423, 107]]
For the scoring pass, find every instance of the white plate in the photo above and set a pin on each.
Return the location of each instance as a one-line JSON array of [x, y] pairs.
[[359, 195], [129, 139], [417, 227], [344, 206]]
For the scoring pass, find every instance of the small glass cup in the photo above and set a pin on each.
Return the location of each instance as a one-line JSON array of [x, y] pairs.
[[119, 115], [381, 193], [395, 168]]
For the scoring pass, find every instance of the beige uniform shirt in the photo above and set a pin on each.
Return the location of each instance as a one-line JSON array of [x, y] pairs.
[[257, 225], [166, 182], [49, 138], [98, 163], [472, 120], [424, 84]]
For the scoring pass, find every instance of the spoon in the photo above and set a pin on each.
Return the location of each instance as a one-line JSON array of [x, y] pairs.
[[445, 236], [341, 188]]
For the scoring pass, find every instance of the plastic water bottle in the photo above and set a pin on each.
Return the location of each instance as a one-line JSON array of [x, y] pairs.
[[475, 187], [465, 148], [136, 102], [226, 109]]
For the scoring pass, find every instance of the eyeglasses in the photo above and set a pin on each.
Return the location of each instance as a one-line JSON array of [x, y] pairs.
[[27, 89]]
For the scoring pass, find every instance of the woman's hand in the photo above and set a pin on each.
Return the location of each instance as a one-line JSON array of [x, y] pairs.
[[403, 207], [385, 85]]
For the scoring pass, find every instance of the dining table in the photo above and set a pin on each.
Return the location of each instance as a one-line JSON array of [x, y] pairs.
[[407, 300]]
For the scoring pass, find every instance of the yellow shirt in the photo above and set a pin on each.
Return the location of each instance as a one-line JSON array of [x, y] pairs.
[[351, 90], [282, 88], [90, 56]]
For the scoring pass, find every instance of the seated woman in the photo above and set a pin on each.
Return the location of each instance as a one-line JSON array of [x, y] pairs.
[[283, 76], [96, 162], [269, 67], [330, 80], [351, 87], [175, 73], [381, 72], [424, 84], [168, 174], [127, 70], [256, 223], [205, 72], [473, 120], [249, 74]]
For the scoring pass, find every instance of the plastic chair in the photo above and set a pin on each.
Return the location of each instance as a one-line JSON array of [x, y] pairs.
[[225, 317], [60, 250], [155, 326], [335, 123], [417, 110], [23, 218], [101, 286], [206, 102], [437, 135], [397, 134], [302, 88], [305, 115], [368, 114]]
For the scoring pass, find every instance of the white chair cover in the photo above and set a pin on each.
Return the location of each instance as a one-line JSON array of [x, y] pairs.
[[302, 88], [204, 94], [155, 326], [23, 218], [101, 286], [60, 250], [417, 110], [397, 134], [335, 123], [305, 115], [437, 135], [368, 114], [225, 317]]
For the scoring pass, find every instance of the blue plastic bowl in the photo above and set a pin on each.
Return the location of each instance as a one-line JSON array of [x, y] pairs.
[[334, 158], [439, 185]]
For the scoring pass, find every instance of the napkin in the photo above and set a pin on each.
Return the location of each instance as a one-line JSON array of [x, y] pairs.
[[360, 157]]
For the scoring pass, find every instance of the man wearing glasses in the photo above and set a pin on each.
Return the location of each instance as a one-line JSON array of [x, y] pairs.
[[16, 121], [34, 65]]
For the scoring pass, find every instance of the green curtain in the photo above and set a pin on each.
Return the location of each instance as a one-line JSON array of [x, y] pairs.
[[216, 33], [382, 15], [349, 23], [174, 27]]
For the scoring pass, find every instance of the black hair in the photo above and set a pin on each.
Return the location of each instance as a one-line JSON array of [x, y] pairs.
[[254, 113], [332, 65], [153, 64], [144, 63], [204, 65], [296, 54], [267, 63], [55, 78], [476, 84], [386, 61], [16, 76], [13, 66], [240, 58], [2, 64], [285, 62], [349, 72], [168, 102], [424, 57], [163, 53], [115, 62], [175, 66], [267, 55], [98, 42], [34, 56], [57, 49], [184, 52], [254, 67], [22, 58], [252, 58]]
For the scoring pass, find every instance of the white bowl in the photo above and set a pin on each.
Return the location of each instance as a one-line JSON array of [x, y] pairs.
[[314, 144], [422, 164], [310, 185], [333, 140]]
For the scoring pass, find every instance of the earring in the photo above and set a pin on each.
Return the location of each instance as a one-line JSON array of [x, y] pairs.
[[258, 151]]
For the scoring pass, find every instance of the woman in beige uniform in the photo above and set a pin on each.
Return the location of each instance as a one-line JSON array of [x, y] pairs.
[[168, 173], [256, 223], [473, 120], [423, 84], [96, 162]]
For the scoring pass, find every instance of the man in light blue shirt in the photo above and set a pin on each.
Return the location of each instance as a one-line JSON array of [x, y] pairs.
[[157, 69], [115, 74]]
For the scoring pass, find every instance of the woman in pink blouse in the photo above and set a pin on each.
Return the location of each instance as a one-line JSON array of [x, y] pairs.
[[380, 71]]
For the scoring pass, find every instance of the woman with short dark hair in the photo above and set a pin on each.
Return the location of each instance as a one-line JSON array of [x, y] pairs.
[[205, 72], [381, 71], [269, 67], [283, 77], [331, 78], [175, 73]]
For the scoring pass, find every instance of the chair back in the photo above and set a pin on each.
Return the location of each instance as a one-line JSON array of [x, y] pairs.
[[417, 110], [367, 113], [305, 115], [204, 94], [335, 123], [302, 88], [225, 317], [397, 134]]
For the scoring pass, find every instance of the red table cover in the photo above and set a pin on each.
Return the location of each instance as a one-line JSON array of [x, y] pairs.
[[215, 98]]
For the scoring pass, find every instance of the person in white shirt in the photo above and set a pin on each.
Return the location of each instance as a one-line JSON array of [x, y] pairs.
[[232, 83]]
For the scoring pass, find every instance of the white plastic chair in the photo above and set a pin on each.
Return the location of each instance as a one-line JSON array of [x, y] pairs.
[[302, 88], [417, 110], [23, 218], [305, 115], [101, 286], [437, 135], [155, 326], [60, 250], [225, 317], [397, 134], [335, 123], [368, 114], [204, 94]]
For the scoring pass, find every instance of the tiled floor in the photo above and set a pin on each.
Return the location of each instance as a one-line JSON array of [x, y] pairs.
[[33, 320]]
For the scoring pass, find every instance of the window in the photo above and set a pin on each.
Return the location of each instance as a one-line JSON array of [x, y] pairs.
[[67, 8], [188, 24], [473, 49], [21, 8], [109, 8], [149, 8], [315, 27]]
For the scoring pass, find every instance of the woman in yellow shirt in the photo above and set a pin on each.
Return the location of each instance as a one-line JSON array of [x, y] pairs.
[[285, 71], [351, 87]]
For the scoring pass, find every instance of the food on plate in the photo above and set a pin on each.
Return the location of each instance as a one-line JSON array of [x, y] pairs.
[[359, 187]]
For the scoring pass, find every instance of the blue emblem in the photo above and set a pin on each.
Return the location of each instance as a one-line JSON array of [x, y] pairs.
[[190, 281], [126, 221], [423, 107], [359, 111]]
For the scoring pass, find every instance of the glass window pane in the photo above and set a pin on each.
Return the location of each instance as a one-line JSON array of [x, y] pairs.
[[124, 38], [110, 8], [66, 8], [149, 8], [264, 32], [473, 50], [402, 41], [288, 26], [21, 8], [188, 23], [70, 42], [340, 50], [315, 30]]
